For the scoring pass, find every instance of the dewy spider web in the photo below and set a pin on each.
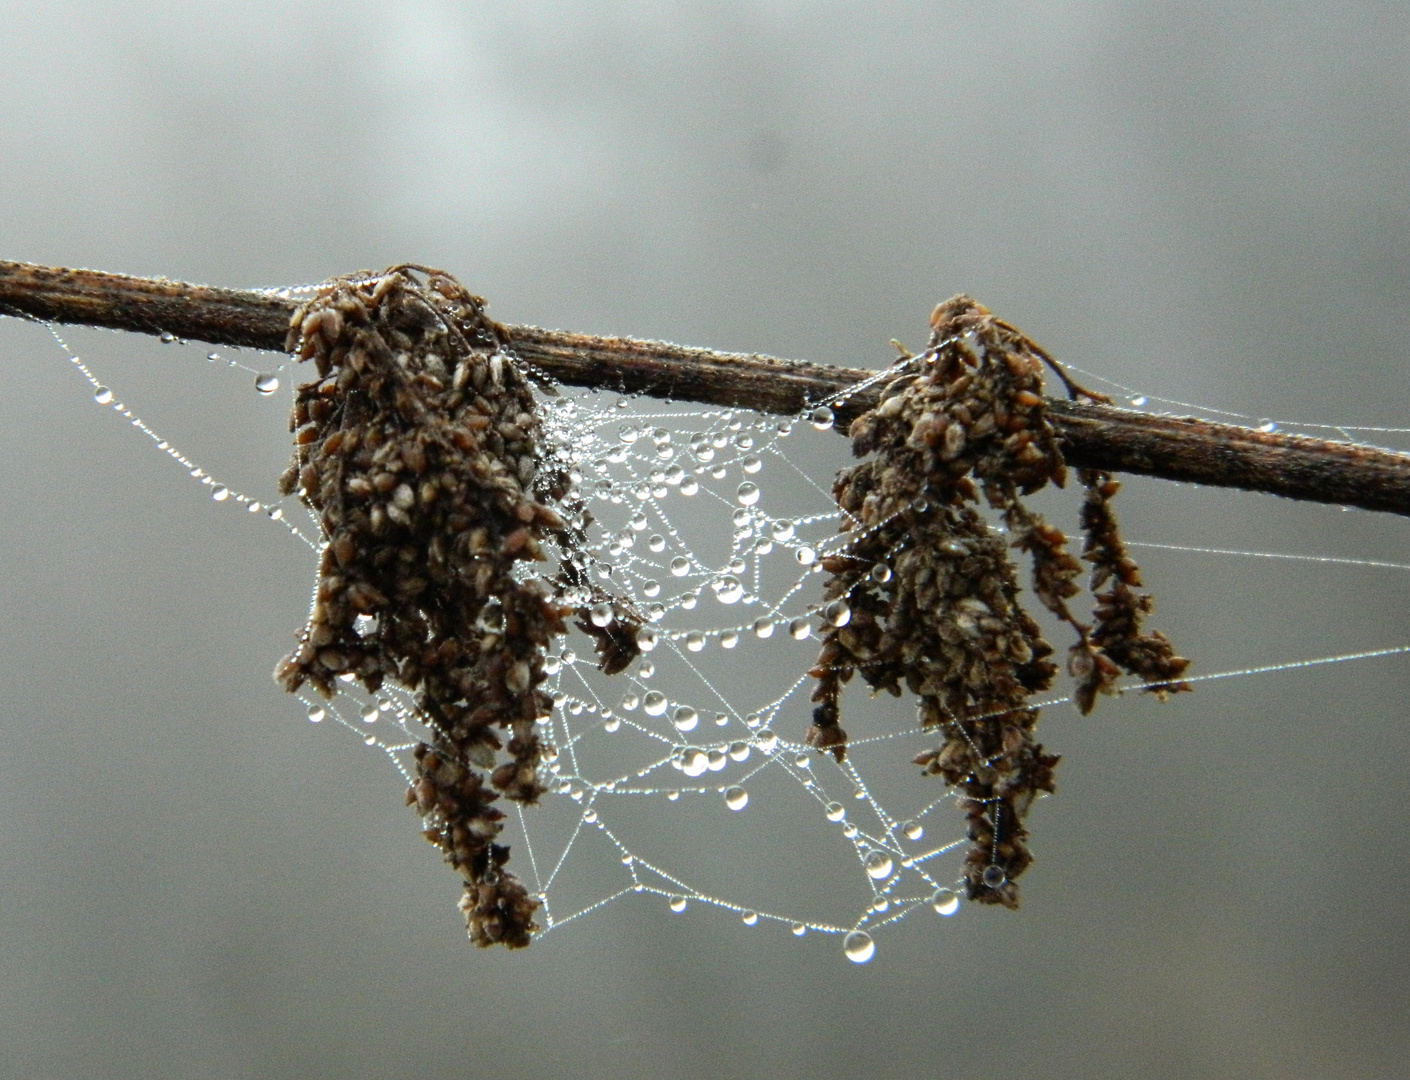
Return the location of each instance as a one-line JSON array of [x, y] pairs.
[[685, 778]]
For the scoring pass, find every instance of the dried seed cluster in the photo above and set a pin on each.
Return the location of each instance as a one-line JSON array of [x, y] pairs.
[[417, 448], [926, 595]]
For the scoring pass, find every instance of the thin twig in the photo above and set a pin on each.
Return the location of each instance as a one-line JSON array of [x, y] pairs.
[[1092, 436]]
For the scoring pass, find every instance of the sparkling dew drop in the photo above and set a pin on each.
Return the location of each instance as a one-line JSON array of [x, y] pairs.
[[736, 798], [945, 901], [858, 947]]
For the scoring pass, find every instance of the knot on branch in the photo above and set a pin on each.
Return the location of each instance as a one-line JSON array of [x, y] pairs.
[[417, 447], [925, 593]]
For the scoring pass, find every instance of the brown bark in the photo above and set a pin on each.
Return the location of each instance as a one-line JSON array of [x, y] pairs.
[[1092, 436]]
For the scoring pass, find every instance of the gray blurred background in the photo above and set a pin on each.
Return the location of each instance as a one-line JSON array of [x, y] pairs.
[[1204, 201]]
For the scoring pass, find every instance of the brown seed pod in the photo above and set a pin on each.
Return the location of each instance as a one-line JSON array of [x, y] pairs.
[[932, 591]]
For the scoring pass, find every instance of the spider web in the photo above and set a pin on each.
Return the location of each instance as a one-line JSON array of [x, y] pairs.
[[683, 781]]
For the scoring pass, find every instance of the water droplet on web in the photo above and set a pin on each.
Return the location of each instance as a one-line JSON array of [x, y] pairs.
[[601, 614], [749, 918], [737, 566], [912, 830], [694, 761], [590, 815], [849, 830], [688, 602], [739, 751], [858, 947], [167, 338], [748, 493], [751, 464], [220, 494], [781, 530], [655, 612], [880, 904], [1139, 401], [721, 719], [638, 521], [805, 555], [744, 440], [695, 641], [627, 433], [878, 865], [766, 739], [799, 929], [656, 542], [102, 395], [994, 876], [728, 590], [685, 718], [267, 383], [651, 587], [803, 760], [736, 798], [753, 720], [646, 638], [678, 904], [835, 811], [212, 356], [763, 627], [369, 713], [716, 759], [689, 487], [1268, 425], [316, 713], [881, 573], [821, 417], [680, 566], [729, 639], [630, 702], [945, 901], [800, 629], [654, 704], [611, 724], [763, 545], [552, 665], [837, 613], [568, 656]]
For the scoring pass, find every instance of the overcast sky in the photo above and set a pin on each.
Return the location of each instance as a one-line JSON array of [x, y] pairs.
[[1203, 201]]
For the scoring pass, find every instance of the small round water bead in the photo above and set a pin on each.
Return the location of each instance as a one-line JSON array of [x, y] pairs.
[[736, 798], [878, 865], [858, 947], [945, 901]]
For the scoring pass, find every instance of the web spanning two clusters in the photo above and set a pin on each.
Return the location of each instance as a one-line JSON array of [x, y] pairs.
[[421, 453]]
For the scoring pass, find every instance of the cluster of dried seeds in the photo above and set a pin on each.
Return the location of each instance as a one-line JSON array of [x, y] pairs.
[[418, 449], [925, 593]]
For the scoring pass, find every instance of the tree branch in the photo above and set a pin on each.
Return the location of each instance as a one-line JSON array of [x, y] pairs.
[[1092, 436]]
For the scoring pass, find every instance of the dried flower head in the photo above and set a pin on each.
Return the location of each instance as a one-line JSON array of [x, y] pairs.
[[925, 594], [417, 448]]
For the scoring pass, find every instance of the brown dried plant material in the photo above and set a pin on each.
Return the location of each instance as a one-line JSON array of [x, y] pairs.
[[418, 448], [925, 595]]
